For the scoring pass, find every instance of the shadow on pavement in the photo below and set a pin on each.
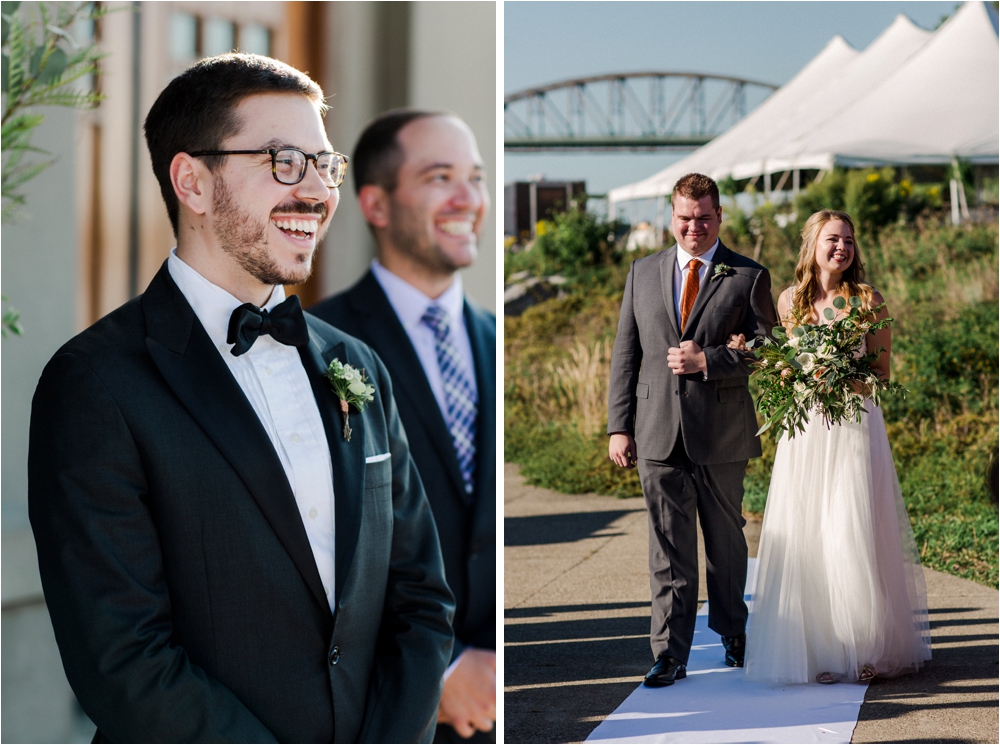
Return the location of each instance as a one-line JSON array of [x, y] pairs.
[[539, 530], [555, 669]]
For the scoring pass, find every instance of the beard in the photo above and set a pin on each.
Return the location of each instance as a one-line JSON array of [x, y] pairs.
[[244, 238], [408, 231]]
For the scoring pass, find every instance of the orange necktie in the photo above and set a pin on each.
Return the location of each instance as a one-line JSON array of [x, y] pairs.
[[690, 291]]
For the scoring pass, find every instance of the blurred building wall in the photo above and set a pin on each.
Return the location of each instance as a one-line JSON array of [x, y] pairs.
[[76, 257]]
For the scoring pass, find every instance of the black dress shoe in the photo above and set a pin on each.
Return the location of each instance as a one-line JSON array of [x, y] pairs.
[[736, 647], [665, 672]]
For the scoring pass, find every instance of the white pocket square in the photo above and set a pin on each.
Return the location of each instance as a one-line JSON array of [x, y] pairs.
[[377, 458]]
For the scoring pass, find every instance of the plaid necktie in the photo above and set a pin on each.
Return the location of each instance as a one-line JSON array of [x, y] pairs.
[[459, 395], [690, 291]]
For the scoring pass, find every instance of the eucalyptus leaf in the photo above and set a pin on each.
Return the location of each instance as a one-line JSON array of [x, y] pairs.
[[799, 331], [779, 331], [6, 30], [839, 303], [855, 301], [829, 314], [5, 74], [9, 8]]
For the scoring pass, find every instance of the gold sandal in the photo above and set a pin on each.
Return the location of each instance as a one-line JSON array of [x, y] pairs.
[[867, 673], [826, 678]]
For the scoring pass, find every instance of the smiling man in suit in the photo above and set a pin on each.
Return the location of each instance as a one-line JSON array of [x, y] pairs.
[[220, 561], [689, 424], [420, 184]]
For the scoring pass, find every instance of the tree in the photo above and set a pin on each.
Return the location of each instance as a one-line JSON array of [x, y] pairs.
[[42, 64]]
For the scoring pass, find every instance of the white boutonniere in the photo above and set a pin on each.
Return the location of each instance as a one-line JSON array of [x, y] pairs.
[[352, 388], [721, 270]]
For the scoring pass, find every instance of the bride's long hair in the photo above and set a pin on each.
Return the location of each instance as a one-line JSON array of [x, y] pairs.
[[852, 282]]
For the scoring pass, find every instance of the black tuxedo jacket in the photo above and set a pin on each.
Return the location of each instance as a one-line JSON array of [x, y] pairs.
[[181, 584], [467, 527]]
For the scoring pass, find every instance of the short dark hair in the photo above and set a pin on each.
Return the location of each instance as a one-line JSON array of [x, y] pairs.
[[377, 157], [196, 110], [695, 186]]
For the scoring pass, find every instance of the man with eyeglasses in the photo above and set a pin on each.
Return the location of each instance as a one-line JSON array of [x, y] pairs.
[[421, 187], [230, 551]]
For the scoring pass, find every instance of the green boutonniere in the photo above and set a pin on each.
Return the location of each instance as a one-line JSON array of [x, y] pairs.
[[721, 270], [352, 388]]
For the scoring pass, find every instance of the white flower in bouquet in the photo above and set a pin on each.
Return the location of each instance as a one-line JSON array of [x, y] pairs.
[[807, 361]]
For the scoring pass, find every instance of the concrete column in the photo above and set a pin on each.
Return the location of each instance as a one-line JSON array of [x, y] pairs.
[[453, 67]]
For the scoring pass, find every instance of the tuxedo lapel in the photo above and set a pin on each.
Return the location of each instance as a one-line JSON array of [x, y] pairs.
[[484, 359], [192, 367], [394, 347], [347, 458], [668, 265], [707, 289]]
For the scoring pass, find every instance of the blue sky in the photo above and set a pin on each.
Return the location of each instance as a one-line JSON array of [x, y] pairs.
[[546, 42]]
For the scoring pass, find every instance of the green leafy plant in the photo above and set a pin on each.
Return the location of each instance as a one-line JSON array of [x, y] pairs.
[[813, 370], [573, 243], [41, 66]]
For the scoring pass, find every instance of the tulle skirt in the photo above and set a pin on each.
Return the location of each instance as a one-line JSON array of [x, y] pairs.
[[839, 583]]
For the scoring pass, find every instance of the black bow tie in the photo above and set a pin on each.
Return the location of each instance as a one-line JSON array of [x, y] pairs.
[[284, 322]]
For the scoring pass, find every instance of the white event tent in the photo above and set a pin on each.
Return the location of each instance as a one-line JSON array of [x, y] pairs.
[[912, 97]]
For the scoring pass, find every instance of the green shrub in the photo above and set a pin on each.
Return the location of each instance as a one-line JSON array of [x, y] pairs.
[[574, 244], [873, 198]]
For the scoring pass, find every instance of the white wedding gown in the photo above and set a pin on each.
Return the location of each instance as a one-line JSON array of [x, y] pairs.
[[839, 583]]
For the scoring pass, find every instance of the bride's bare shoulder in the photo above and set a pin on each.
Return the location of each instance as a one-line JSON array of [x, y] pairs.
[[785, 302]]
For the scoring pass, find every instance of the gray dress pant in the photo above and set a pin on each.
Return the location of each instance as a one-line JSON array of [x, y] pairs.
[[675, 491]]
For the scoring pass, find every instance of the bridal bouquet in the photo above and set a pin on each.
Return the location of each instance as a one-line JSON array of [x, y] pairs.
[[811, 370]]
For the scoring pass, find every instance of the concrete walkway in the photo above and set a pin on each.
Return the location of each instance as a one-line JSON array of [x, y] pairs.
[[576, 607]]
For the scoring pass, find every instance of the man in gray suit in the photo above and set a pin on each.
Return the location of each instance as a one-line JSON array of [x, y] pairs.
[[689, 424]]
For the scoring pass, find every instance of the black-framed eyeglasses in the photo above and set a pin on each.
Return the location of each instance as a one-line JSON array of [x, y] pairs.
[[288, 165]]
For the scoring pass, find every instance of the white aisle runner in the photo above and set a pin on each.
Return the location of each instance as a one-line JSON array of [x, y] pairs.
[[714, 704]]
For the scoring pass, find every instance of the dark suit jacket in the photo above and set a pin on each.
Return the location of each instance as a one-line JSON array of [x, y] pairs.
[[467, 527], [715, 416], [181, 584]]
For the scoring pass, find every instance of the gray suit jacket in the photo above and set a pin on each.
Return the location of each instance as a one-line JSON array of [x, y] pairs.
[[715, 415]]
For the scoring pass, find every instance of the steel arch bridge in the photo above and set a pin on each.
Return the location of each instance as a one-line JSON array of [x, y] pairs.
[[628, 111]]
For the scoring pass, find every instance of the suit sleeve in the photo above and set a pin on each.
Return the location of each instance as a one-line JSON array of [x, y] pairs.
[[722, 362], [415, 641], [102, 573], [625, 362]]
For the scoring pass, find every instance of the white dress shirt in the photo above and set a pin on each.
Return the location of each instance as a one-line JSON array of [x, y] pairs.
[[683, 258], [410, 305], [277, 387]]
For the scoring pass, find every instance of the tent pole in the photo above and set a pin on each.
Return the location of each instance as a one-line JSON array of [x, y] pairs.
[[767, 186], [796, 182], [660, 209], [955, 215], [962, 204]]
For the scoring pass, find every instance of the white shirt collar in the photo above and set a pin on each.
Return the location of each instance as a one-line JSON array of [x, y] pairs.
[[212, 304], [684, 258], [410, 303]]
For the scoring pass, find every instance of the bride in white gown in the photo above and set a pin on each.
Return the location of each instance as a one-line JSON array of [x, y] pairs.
[[839, 593]]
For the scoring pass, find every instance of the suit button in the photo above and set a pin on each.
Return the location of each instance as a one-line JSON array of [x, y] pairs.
[[335, 655]]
